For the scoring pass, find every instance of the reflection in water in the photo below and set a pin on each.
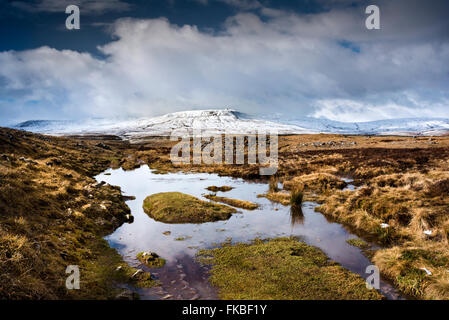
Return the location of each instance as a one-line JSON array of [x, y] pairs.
[[296, 215], [182, 277]]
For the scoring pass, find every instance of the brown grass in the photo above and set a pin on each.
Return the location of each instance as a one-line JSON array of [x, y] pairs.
[[233, 202]]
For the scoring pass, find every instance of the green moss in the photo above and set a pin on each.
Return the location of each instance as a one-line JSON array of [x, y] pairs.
[[151, 259], [281, 269], [222, 188], [176, 207], [233, 202], [359, 243]]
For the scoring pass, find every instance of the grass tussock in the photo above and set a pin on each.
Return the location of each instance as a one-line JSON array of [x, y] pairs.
[[273, 185], [316, 182], [247, 205], [176, 207], [221, 189], [297, 196], [282, 269]]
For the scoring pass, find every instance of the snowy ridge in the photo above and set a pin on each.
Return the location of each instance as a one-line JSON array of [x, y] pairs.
[[230, 121], [404, 127]]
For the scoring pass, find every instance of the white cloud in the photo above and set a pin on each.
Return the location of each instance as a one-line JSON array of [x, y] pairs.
[[301, 64], [350, 110]]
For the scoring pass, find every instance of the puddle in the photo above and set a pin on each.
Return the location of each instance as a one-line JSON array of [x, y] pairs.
[[182, 277], [350, 186]]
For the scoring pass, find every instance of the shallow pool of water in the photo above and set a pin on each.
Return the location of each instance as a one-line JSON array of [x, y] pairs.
[[182, 277]]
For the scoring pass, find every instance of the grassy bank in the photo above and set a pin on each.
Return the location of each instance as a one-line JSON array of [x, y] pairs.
[[54, 214]]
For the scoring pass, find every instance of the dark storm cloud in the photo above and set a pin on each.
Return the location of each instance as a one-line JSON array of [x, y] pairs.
[[89, 6]]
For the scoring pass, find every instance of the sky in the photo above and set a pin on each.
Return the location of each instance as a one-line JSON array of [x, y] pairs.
[[288, 59]]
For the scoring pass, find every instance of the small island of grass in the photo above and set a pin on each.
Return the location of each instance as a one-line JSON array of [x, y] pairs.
[[222, 188], [176, 207], [279, 197], [233, 202]]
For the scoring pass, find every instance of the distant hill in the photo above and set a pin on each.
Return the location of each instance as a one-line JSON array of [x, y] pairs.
[[231, 121]]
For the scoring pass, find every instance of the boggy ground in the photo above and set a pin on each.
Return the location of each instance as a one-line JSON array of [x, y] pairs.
[[52, 212], [401, 199]]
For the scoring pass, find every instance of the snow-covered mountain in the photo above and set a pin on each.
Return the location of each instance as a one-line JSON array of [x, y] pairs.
[[210, 121], [230, 121]]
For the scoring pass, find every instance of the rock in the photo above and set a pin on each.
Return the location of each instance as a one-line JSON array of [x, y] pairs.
[[428, 272], [150, 256], [68, 176], [185, 283], [129, 218], [126, 295], [103, 146], [53, 162], [37, 246], [137, 274], [168, 296], [27, 160], [166, 233]]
